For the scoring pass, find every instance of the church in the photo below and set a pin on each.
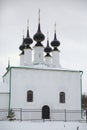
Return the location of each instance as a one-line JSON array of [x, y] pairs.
[[40, 88]]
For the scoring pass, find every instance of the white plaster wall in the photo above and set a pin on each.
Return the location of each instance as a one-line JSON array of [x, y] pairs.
[[27, 56], [21, 60], [4, 92], [48, 60], [4, 100], [46, 85], [56, 58], [38, 54]]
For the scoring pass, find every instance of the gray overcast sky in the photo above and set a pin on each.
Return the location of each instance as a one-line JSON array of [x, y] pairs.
[[70, 17]]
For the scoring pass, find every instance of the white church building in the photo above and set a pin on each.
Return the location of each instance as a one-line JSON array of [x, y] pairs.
[[40, 88]]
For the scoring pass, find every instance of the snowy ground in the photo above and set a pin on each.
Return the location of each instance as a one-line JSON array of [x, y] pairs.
[[47, 125]]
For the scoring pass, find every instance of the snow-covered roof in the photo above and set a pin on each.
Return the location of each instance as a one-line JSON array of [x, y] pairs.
[[43, 67]]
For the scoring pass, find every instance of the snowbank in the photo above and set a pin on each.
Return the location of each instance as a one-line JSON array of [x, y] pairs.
[[47, 125]]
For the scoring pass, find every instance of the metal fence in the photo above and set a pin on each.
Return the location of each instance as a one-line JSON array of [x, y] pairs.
[[36, 114]]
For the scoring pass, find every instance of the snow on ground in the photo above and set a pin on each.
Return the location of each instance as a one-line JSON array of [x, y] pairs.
[[47, 125]]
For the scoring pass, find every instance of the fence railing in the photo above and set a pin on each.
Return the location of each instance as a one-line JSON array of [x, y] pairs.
[[36, 114]]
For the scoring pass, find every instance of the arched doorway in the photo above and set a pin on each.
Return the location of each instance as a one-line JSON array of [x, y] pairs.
[[45, 112]]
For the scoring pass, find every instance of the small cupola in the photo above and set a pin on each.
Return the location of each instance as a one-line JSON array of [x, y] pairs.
[[55, 52], [47, 49], [22, 46], [28, 50], [28, 41], [55, 43], [39, 36]]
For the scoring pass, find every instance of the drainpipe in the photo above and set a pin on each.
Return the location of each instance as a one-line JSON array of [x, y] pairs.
[[81, 89], [9, 91]]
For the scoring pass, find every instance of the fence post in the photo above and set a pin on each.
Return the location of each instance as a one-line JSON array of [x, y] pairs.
[[65, 115], [20, 114]]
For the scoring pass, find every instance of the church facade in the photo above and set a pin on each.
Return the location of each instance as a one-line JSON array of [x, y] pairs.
[[40, 85]]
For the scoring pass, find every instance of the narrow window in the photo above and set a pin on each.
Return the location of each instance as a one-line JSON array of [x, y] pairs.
[[29, 96], [62, 97]]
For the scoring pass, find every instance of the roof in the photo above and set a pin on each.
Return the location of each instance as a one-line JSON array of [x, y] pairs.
[[43, 67]]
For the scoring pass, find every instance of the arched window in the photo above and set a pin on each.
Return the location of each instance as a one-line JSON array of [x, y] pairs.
[[62, 97], [29, 96]]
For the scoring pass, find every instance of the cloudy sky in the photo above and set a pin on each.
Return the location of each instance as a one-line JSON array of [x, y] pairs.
[[70, 17]]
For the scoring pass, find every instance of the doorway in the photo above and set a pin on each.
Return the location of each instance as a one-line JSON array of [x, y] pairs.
[[45, 112]]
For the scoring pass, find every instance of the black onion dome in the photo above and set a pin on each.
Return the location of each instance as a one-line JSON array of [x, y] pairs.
[[28, 40], [27, 46], [55, 42], [48, 49], [39, 36], [22, 53], [38, 44], [22, 46]]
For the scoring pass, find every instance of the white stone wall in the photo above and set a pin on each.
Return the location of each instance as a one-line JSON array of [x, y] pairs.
[[46, 86], [4, 92], [38, 55], [56, 59], [22, 60], [48, 60], [27, 57], [4, 100]]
